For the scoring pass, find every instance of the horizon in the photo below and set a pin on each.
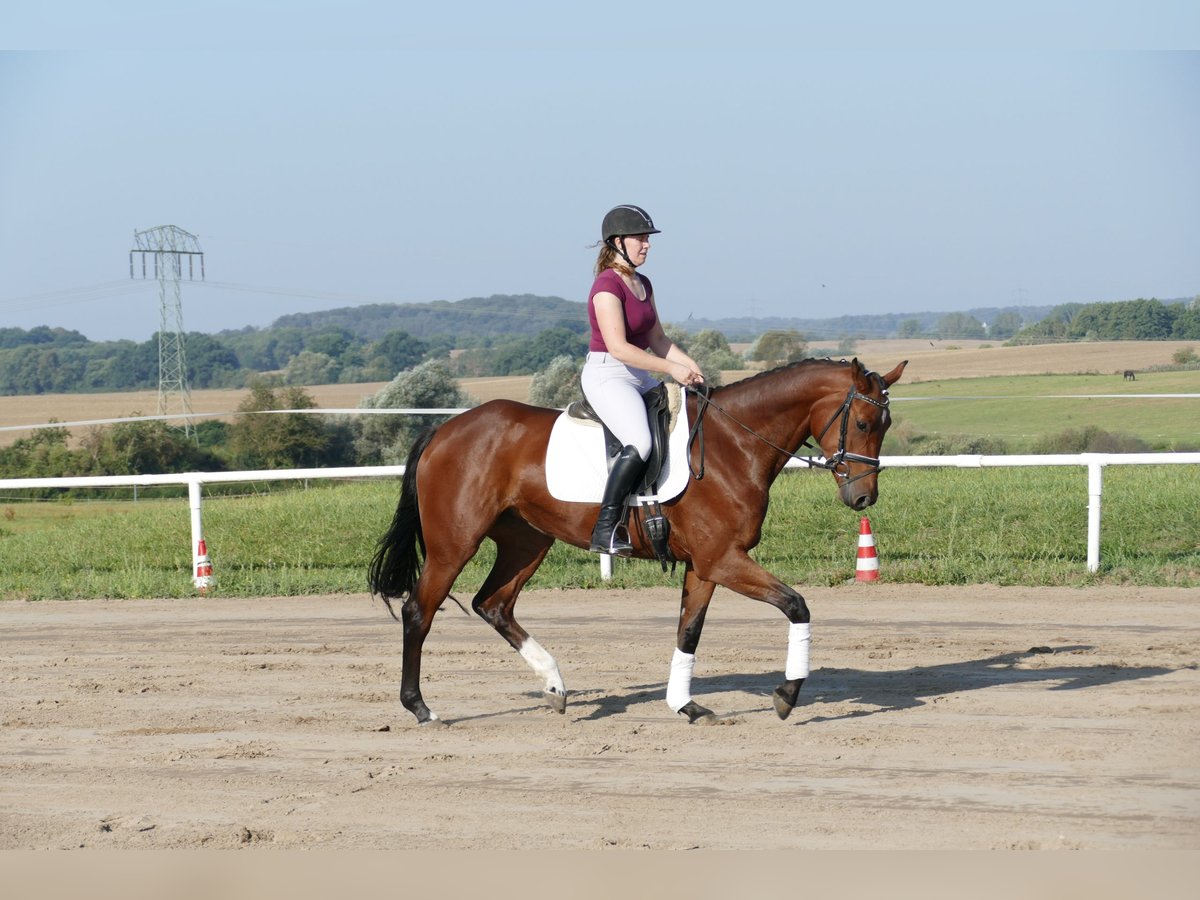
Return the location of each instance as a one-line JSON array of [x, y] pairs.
[[812, 324], [719, 324]]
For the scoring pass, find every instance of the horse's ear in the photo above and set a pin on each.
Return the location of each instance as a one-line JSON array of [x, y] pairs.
[[859, 373], [893, 376]]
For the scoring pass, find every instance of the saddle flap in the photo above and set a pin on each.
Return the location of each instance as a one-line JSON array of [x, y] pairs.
[[658, 414], [662, 405], [576, 464]]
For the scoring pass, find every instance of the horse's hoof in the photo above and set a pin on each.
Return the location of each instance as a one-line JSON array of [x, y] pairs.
[[783, 708], [698, 715], [433, 722], [786, 696], [558, 702]]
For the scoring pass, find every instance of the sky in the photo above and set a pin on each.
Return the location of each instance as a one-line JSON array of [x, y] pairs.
[[799, 160]]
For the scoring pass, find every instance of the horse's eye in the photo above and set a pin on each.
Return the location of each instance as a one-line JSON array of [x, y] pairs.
[[861, 426]]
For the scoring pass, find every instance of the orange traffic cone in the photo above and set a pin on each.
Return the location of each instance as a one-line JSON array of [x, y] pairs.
[[867, 568], [204, 575]]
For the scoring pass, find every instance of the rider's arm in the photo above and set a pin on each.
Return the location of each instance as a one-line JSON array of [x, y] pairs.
[[669, 350], [610, 317]]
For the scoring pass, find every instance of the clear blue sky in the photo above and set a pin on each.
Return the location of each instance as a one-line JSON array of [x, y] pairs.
[[925, 156]]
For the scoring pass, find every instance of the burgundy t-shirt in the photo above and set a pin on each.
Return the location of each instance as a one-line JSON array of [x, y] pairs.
[[640, 317]]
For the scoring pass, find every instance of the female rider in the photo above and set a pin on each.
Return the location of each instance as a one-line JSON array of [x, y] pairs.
[[627, 344]]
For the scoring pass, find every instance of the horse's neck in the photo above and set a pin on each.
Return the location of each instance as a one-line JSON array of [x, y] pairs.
[[777, 405]]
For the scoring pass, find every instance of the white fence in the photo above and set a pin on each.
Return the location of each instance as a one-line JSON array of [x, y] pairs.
[[1095, 463]]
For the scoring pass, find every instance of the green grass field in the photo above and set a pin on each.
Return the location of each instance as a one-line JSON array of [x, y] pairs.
[[1016, 409], [932, 526], [936, 526]]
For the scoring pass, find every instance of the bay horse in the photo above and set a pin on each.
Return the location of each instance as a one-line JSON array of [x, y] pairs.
[[481, 475]]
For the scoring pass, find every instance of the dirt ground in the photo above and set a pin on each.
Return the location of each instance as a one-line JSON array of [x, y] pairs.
[[972, 717]]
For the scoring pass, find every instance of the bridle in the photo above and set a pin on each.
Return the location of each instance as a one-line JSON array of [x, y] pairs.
[[839, 459], [842, 457]]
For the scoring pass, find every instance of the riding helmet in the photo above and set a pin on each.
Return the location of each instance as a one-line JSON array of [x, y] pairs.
[[627, 219]]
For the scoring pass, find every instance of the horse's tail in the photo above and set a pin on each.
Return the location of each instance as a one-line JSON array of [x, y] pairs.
[[395, 566]]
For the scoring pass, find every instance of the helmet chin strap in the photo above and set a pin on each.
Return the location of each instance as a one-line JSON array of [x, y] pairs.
[[612, 242]]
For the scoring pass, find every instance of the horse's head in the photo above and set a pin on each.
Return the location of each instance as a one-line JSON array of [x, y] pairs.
[[849, 425]]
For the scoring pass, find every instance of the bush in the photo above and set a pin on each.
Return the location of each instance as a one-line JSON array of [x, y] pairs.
[[1184, 356], [310, 367], [557, 386], [125, 448], [957, 445], [775, 348], [385, 439], [712, 354], [259, 439], [1090, 439]]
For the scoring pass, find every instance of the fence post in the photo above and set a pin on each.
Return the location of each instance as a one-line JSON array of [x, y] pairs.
[[1095, 466], [193, 484]]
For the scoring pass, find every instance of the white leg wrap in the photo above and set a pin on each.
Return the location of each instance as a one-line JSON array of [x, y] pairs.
[[679, 685], [543, 663], [799, 637]]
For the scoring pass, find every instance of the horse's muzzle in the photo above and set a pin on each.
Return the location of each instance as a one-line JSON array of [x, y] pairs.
[[858, 495]]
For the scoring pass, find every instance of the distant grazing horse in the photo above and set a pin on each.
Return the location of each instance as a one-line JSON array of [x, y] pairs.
[[1129, 376], [481, 475]]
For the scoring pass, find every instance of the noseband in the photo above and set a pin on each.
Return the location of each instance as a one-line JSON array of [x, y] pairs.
[[840, 458]]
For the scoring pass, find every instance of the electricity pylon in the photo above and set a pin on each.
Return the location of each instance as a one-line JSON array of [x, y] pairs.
[[168, 245]]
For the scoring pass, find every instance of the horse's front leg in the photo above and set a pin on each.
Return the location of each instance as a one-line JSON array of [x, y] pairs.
[[740, 573], [696, 596]]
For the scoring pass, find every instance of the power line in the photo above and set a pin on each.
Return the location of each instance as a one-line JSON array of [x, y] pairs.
[[68, 296], [294, 292]]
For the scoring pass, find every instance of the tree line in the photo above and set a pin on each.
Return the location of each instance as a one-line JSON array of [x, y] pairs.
[[44, 361], [495, 336], [259, 437], [1130, 320]]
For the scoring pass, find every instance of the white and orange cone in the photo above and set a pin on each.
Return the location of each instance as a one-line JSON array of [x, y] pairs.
[[204, 573], [867, 567]]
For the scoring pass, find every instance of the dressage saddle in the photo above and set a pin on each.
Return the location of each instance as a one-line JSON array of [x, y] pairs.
[[658, 412]]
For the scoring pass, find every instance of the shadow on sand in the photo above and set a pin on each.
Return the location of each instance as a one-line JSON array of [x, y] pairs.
[[888, 690]]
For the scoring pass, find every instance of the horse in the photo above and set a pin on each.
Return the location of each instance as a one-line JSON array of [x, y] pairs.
[[481, 475], [1129, 375]]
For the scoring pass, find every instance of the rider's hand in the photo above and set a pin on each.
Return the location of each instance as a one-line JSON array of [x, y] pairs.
[[688, 377]]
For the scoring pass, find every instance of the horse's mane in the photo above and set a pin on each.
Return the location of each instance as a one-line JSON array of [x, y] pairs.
[[769, 373]]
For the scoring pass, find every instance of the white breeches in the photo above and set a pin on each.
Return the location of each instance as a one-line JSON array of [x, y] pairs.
[[615, 391]]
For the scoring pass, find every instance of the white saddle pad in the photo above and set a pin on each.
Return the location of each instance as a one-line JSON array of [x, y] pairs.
[[577, 467]]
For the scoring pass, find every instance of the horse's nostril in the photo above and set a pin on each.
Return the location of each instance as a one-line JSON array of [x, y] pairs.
[[862, 502]]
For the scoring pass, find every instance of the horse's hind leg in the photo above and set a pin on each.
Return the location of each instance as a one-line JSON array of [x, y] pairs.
[[417, 615], [520, 549]]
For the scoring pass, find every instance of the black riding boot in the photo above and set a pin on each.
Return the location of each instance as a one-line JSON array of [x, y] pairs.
[[607, 536]]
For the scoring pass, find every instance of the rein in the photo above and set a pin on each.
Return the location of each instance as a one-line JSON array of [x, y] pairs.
[[841, 457]]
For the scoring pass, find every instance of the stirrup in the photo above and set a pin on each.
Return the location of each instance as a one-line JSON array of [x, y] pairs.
[[617, 543]]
